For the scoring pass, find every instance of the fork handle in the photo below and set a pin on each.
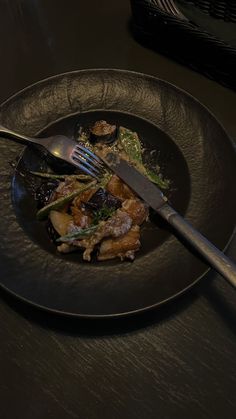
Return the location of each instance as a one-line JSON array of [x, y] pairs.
[[211, 254], [12, 135]]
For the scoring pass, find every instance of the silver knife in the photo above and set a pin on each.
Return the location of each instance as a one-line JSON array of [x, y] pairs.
[[153, 196]]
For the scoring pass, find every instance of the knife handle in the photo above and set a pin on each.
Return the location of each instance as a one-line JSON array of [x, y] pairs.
[[211, 254]]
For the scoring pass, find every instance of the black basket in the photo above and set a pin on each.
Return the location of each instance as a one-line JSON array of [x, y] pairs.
[[220, 9], [194, 37]]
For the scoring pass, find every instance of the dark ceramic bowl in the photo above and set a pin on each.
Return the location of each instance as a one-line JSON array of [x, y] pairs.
[[194, 152]]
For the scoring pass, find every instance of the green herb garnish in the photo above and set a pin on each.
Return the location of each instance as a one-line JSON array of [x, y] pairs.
[[102, 214], [55, 176], [157, 179], [130, 143], [79, 234]]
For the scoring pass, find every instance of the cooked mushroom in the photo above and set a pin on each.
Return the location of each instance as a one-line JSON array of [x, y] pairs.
[[103, 198], [103, 132]]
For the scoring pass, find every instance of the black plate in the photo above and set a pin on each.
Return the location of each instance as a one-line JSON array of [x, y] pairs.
[[193, 151]]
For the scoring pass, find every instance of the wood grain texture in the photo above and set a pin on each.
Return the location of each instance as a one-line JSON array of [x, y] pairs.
[[178, 362], [169, 362]]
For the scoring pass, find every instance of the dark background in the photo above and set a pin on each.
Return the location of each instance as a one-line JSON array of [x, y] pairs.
[[178, 362]]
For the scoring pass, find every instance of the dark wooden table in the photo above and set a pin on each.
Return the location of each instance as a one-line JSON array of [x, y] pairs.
[[178, 362]]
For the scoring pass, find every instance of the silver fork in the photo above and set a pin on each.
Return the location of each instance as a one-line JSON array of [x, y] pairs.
[[91, 164], [61, 147]]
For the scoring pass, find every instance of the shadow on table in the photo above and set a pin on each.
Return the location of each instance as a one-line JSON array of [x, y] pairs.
[[222, 297], [219, 295], [100, 327]]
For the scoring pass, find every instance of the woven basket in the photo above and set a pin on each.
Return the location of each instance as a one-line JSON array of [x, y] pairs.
[[185, 40], [221, 9]]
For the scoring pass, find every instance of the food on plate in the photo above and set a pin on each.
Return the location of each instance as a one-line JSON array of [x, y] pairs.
[[102, 218], [101, 131]]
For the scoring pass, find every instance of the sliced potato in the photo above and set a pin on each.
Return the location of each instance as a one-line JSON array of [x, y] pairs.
[[60, 221]]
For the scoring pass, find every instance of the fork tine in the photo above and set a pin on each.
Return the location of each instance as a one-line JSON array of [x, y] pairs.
[[84, 153], [85, 163], [83, 158], [89, 152], [95, 160], [85, 169]]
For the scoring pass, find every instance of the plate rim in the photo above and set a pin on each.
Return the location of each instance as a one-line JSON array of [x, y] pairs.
[[120, 70]]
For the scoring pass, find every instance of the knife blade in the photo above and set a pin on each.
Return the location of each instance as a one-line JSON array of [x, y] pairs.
[[149, 192]]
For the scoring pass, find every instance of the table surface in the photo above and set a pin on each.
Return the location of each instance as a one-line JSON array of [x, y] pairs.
[[177, 362]]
